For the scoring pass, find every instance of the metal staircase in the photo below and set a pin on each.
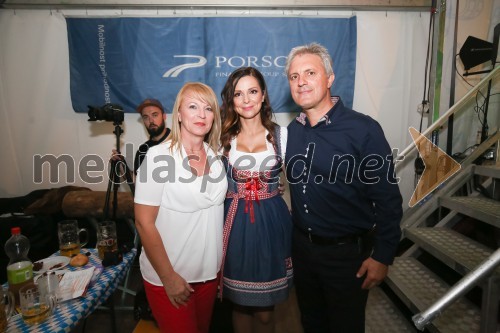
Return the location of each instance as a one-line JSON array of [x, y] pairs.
[[446, 277], [419, 286]]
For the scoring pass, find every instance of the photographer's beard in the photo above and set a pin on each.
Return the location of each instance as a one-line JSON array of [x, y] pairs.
[[155, 131]]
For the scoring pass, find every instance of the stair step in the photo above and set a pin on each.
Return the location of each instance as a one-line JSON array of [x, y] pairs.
[[492, 171], [483, 209], [454, 249], [382, 315], [419, 288]]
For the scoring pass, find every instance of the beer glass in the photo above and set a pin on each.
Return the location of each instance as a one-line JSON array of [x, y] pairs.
[[106, 238], [35, 307], [6, 308], [48, 284], [69, 237]]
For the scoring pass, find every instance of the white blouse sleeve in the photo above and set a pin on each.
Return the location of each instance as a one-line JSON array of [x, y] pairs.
[[148, 185], [284, 140]]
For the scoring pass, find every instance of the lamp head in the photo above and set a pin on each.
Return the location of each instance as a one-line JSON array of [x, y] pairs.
[[475, 51]]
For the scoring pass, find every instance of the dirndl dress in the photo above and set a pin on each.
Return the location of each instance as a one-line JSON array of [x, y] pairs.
[[257, 265]]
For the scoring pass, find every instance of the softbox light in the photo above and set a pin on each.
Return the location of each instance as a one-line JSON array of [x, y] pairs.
[[475, 51]]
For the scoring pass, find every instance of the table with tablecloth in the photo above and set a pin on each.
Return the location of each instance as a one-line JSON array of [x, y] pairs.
[[69, 313]]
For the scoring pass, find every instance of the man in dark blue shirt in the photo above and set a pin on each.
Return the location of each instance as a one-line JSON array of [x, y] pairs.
[[346, 204]]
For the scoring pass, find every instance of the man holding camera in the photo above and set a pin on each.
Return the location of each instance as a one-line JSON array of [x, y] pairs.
[[154, 119]]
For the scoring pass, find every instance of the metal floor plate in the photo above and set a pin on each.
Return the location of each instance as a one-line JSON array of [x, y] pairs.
[[382, 316], [456, 250], [419, 288], [483, 209]]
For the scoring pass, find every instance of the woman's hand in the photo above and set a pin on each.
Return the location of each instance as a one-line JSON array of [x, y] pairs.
[[178, 290]]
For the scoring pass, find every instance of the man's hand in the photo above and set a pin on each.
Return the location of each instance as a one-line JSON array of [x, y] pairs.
[[375, 272], [115, 156], [281, 187]]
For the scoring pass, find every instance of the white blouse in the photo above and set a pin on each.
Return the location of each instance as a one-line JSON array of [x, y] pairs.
[[191, 213]]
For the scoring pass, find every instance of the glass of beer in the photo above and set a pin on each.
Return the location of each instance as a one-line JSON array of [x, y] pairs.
[[6, 308], [69, 237], [48, 284], [106, 238], [35, 308]]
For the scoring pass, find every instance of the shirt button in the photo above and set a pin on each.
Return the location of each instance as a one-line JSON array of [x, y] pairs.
[[305, 205], [307, 211]]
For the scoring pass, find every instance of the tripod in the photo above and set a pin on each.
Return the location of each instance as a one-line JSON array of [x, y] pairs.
[[118, 170], [115, 173]]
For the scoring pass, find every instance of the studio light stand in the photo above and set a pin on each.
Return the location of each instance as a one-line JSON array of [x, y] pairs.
[[475, 52]]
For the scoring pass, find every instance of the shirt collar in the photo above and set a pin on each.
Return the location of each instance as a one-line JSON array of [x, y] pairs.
[[302, 117], [167, 132]]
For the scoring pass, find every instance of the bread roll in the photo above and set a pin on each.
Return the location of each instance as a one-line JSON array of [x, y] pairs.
[[79, 260]]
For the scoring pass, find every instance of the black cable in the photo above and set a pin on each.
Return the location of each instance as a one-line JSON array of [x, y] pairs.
[[419, 163], [430, 48], [466, 149], [478, 109], [456, 70], [431, 28], [428, 55]]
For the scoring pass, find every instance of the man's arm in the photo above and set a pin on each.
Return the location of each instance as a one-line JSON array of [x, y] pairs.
[[387, 204]]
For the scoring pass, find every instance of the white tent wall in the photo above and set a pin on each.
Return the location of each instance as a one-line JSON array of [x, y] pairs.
[[36, 117]]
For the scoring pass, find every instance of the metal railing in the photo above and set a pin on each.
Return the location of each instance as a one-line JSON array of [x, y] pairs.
[[467, 131], [470, 95], [415, 216], [459, 289]]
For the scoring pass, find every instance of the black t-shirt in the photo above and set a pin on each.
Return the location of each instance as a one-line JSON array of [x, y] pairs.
[[143, 149]]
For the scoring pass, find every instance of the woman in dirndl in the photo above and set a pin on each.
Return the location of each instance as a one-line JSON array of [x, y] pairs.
[[257, 265]]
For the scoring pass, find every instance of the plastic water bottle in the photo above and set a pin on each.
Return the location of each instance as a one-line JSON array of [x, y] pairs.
[[20, 268]]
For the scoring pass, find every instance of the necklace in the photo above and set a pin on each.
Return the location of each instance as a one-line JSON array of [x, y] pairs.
[[194, 163]]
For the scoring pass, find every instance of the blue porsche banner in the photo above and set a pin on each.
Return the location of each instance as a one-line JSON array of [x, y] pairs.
[[125, 60]]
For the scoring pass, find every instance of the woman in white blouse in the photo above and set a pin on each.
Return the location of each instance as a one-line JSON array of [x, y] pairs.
[[180, 191]]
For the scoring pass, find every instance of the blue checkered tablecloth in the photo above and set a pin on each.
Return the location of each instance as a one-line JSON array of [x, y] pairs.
[[67, 314]]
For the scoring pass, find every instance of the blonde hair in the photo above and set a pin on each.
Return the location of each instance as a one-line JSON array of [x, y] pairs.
[[204, 93]]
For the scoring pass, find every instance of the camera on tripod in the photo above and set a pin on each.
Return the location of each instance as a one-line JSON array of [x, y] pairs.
[[114, 113], [108, 112]]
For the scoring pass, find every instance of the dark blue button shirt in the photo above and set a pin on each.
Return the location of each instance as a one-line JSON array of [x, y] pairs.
[[342, 179]]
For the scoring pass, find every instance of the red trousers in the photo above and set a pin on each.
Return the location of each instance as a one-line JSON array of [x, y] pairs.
[[191, 318]]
